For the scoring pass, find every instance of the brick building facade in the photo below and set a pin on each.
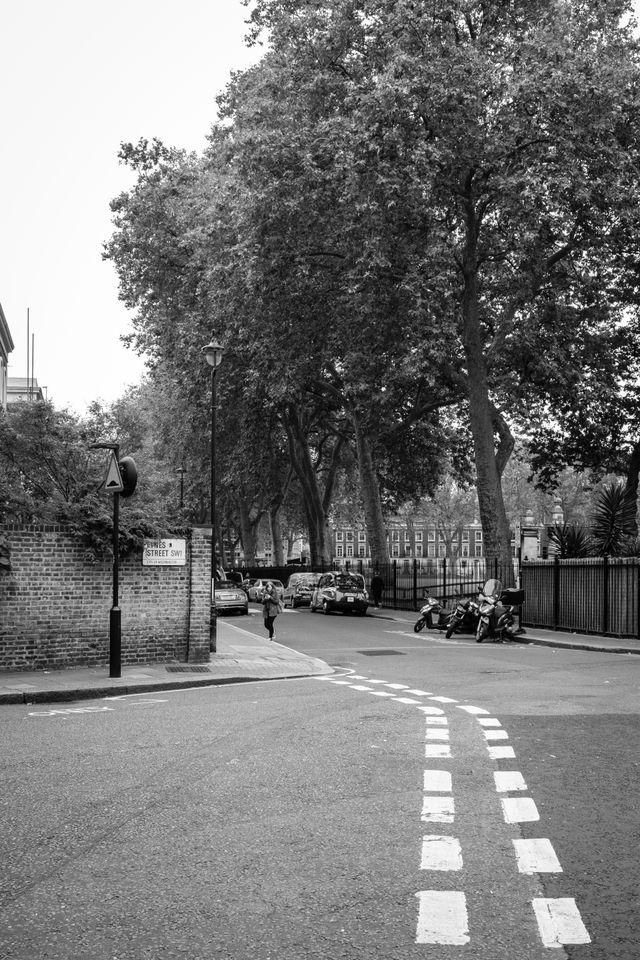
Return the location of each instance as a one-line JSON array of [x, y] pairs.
[[55, 603]]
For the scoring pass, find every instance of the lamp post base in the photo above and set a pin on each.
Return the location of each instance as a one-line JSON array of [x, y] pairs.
[[213, 631]]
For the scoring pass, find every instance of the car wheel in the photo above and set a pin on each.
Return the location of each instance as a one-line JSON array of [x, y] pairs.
[[325, 608]]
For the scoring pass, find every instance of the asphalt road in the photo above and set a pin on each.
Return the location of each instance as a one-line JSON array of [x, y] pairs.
[[353, 816]]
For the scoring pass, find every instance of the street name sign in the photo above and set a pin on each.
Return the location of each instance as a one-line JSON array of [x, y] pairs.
[[164, 553]]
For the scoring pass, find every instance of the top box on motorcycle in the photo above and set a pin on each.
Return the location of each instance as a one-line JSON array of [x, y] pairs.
[[512, 597]]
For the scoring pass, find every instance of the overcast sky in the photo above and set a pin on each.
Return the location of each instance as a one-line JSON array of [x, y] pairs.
[[79, 78]]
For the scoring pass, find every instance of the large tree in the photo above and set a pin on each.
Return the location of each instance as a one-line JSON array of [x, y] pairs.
[[508, 132]]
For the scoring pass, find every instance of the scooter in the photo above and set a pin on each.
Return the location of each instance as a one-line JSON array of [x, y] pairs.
[[432, 608], [497, 612], [464, 617]]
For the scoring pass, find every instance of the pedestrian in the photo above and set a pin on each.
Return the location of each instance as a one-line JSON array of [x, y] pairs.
[[377, 586], [271, 607]]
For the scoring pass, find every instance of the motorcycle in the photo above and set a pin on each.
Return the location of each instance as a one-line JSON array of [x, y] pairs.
[[497, 612], [464, 617], [432, 608]]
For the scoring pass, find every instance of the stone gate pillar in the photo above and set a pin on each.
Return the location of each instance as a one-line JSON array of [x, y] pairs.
[[200, 605]]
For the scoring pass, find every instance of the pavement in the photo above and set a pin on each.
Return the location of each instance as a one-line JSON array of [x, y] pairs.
[[241, 657]]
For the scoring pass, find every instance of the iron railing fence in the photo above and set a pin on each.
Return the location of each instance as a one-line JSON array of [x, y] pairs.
[[591, 595]]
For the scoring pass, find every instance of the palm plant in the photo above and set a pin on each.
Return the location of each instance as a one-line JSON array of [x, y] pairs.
[[613, 521], [570, 541]]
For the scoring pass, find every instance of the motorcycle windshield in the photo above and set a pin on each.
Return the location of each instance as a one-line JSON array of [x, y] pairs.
[[492, 588]]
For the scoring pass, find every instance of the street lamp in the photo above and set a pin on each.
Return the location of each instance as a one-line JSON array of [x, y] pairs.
[[213, 355]]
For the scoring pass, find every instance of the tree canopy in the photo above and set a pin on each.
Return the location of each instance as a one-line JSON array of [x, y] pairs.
[[409, 215]]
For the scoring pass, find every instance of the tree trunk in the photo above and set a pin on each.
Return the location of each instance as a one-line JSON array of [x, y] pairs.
[[370, 491], [276, 537], [633, 470], [247, 533], [493, 517], [314, 506]]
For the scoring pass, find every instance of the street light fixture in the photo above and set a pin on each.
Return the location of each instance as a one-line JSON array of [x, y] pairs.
[[213, 355]]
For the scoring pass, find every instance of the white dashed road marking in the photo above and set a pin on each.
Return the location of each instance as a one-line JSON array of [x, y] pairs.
[[536, 856], [438, 809], [442, 917], [559, 922], [437, 750], [519, 810], [437, 781], [442, 914], [441, 853], [506, 780]]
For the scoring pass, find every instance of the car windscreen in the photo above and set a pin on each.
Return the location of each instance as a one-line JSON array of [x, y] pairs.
[[226, 585], [348, 583]]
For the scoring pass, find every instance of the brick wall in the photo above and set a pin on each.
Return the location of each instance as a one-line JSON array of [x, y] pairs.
[[55, 603]]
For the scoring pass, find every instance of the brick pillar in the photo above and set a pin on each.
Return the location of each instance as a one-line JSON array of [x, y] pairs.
[[200, 605]]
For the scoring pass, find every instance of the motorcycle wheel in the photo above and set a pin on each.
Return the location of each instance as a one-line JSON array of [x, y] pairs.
[[481, 632], [419, 625], [451, 629]]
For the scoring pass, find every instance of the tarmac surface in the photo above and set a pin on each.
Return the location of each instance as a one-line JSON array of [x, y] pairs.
[[240, 657]]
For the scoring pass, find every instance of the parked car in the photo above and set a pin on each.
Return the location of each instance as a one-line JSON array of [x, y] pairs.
[[231, 596], [248, 583], [340, 591], [256, 589], [299, 589]]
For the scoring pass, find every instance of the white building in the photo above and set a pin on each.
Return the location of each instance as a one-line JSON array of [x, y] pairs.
[[6, 346]]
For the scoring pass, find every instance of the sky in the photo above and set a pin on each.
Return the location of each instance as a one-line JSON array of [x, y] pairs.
[[79, 78]]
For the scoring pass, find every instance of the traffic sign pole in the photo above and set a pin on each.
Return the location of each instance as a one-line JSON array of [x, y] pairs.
[[115, 620], [114, 484]]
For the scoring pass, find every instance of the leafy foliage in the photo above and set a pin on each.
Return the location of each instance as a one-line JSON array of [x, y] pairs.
[[406, 207], [571, 541], [49, 475], [613, 521]]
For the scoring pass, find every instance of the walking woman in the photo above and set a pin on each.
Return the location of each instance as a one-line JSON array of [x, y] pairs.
[[271, 608]]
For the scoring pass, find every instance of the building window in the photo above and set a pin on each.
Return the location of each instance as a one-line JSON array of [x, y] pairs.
[[362, 536], [431, 550], [465, 549], [418, 536], [362, 550], [339, 549], [418, 549], [339, 535], [465, 536], [442, 549], [395, 550], [478, 536], [478, 549], [349, 550], [431, 536], [349, 536], [395, 536]]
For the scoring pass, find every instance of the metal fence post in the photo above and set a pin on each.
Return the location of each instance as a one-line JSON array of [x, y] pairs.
[[415, 583], [444, 579], [605, 594], [395, 583], [556, 592]]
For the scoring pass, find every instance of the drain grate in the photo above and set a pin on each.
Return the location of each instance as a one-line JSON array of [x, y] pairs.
[[188, 669], [381, 653]]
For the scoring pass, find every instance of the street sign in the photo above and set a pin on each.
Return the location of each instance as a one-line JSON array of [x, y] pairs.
[[164, 553], [113, 482]]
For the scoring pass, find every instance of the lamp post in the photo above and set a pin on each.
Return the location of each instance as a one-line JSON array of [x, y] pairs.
[[213, 355]]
